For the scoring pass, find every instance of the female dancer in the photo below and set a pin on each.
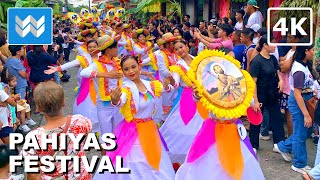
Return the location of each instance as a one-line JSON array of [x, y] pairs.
[[143, 48], [126, 38], [138, 138], [221, 149], [85, 102], [184, 121], [85, 36]]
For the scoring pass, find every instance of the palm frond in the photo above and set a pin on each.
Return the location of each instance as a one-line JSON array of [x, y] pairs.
[[297, 14]]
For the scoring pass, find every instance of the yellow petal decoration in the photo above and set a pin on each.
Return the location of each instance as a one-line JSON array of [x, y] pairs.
[[126, 109], [183, 76], [217, 109], [157, 88]]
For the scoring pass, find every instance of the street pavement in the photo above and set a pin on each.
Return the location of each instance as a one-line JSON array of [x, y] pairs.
[[273, 165]]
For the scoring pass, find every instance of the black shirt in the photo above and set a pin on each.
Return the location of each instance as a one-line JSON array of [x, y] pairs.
[[58, 41], [155, 33], [187, 36], [265, 70]]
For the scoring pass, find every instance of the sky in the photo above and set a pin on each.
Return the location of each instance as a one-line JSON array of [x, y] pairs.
[[76, 3]]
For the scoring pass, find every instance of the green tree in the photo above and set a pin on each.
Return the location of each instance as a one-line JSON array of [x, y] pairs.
[[30, 3], [77, 9], [4, 5]]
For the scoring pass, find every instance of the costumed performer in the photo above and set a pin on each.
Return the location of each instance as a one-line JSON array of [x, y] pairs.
[[221, 149], [185, 120], [139, 142], [143, 48], [85, 36], [127, 38], [165, 58], [107, 75], [85, 101]]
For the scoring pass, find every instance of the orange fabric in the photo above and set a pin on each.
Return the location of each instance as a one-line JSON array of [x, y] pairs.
[[150, 142], [202, 111], [92, 92], [229, 149]]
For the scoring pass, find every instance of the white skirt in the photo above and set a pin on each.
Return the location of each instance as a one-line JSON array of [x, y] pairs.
[[179, 136], [140, 168], [208, 167]]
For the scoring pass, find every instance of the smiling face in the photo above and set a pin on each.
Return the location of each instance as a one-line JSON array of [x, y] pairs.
[[131, 69], [181, 49], [92, 47], [142, 38]]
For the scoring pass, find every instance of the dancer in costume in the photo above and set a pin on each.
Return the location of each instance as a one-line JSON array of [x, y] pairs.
[[166, 58], [85, 102], [143, 48], [138, 139], [184, 121], [85, 36], [221, 149], [127, 46], [107, 75]]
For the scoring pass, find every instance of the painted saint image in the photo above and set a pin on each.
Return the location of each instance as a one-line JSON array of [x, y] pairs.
[[221, 85]]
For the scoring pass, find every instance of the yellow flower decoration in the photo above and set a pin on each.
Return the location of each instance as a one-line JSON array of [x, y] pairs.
[[83, 61], [217, 109], [126, 109], [182, 74], [153, 61], [157, 88]]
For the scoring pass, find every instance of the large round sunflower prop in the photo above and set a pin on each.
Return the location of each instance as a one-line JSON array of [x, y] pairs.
[[225, 89]]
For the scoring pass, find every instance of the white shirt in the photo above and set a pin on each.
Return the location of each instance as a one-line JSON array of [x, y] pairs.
[[255, 40], [4, 111], [308, 79], [255, 18], [201, 47], [177, 77], [65, 45], [238, 26]]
